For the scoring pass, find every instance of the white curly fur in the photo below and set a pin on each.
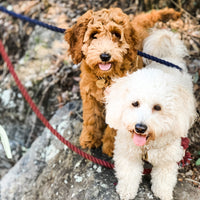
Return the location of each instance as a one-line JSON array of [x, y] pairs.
[[155, 84]]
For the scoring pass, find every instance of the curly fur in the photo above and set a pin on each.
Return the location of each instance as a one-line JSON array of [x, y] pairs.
[[107, 31], [161, 98]]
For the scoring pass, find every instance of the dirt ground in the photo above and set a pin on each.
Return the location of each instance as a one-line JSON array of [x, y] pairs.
[[52, 87]]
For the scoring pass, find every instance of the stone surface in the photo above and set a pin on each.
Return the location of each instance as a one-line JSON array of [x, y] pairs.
[[49, 170], [49, 81]]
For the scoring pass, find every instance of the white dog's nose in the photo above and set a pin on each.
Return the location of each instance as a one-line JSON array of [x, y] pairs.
[[140, 128]]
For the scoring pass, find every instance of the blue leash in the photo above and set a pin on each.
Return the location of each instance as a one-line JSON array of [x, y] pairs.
[[60, 30], [164, 62], [32, 21]]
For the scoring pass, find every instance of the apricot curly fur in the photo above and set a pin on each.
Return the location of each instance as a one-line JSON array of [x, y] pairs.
[[112, 32]]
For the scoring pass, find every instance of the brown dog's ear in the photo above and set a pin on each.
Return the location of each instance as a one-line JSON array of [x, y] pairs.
[[135, 43], [75, 35], [131, 37]]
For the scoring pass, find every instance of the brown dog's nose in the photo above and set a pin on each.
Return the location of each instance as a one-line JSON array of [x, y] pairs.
[[105, 57], [140, 128]]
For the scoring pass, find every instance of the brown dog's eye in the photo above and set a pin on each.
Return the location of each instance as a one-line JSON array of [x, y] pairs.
[[93, 35], [135, 104], [116, 34], [157, 107]]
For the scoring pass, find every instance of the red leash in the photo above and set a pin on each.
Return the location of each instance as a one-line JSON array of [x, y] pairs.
[[41, 116]]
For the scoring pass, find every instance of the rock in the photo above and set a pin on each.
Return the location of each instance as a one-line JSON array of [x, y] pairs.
[[50, 170], [44, 75]]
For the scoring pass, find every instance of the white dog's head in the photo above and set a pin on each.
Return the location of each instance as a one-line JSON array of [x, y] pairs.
[[150, 104]]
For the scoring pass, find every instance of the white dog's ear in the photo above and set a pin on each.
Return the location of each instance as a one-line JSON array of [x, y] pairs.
[[114, 98], [186, 111]]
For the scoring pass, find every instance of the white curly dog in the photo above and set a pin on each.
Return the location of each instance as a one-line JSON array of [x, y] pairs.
[[151, 109]]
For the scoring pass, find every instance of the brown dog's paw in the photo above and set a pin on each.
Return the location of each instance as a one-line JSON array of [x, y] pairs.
[[108, 141], [90, 140], [108, 148]]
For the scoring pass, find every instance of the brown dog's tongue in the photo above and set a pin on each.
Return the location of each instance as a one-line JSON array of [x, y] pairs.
[[139, 140], [105, 67]]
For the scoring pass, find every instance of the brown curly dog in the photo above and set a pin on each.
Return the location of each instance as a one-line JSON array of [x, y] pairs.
[[106, 42]]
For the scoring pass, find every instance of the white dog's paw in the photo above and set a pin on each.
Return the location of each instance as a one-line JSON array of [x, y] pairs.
[[126, 193], [163, 194]]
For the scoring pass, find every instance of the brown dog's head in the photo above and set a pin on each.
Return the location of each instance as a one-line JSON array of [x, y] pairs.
[[104, 39]]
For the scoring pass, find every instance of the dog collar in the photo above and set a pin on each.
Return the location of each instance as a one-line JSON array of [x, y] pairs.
[[145, 153], [101, 83]]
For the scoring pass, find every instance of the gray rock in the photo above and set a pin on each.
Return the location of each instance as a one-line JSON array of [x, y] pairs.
[[50, 170]]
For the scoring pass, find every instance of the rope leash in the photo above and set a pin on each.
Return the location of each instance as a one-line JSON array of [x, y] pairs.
[[60, 30], [43, 119], [32, 21], [164, 62]]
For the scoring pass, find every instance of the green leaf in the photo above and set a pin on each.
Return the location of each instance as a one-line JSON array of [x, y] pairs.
[[5, 142], [198, 162]]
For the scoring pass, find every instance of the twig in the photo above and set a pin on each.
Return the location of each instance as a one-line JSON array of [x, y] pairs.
[[79, 115], [195, 36], [190, 180], [5, 72], [180, 5], [53, 82]]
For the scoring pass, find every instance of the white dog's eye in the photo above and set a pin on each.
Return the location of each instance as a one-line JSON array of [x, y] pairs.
[[136, 104], [157, 107]]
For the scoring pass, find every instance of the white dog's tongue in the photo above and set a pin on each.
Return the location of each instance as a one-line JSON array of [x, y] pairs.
[[139, 140], [105, 67]]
